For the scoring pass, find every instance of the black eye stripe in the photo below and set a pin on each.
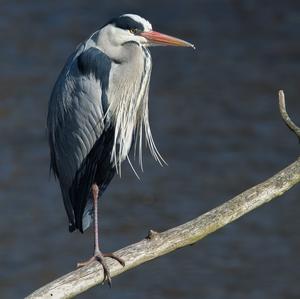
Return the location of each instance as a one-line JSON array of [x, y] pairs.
[[127, 23]]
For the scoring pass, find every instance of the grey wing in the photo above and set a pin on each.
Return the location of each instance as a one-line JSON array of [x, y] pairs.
[[76, 116]]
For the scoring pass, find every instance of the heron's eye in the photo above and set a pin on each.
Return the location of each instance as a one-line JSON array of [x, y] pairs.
[[133, 31]]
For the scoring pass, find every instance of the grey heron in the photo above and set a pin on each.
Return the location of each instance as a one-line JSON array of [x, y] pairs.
[[98, 108]]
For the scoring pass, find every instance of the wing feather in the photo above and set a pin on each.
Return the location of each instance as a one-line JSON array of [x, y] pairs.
[[77, 126]]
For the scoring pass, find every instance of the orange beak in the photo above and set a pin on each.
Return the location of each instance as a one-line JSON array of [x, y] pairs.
[[160, 39]]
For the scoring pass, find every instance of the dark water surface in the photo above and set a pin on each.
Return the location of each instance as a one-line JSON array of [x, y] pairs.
[[214, 117]]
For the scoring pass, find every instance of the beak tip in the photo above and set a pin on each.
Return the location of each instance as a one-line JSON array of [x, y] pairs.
[[189, 45]]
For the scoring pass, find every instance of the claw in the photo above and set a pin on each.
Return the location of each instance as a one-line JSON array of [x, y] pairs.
[[113, 256], [100, 257]]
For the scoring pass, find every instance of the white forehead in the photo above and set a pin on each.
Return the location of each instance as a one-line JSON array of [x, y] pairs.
[[141, 20]]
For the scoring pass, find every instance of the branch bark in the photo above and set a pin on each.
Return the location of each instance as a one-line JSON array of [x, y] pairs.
[[291, 125], [157, 244]]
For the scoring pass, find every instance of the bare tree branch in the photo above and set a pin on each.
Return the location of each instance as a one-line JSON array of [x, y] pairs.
[[285, 115], [157, 244]]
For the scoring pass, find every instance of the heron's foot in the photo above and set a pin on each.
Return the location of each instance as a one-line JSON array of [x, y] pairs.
[[100, 257]]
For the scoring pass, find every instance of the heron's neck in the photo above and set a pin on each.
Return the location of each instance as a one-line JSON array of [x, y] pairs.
[[114, 52], [130, 77], [128, 98]]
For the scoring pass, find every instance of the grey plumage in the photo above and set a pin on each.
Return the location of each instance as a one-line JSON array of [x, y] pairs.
[[98, 105], [81, 137], [76, 121]]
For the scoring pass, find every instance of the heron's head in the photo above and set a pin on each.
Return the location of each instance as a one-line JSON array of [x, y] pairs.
[[129, 28]]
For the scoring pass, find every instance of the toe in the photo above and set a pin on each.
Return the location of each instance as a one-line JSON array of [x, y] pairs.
[[82, 264], [111, 255], [101, 260]]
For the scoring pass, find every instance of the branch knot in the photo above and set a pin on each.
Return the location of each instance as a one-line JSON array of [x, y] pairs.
[[152, 234]]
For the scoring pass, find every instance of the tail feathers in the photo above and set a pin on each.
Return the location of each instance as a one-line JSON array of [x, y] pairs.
[[88, 215], [72, 227], [87, 218]]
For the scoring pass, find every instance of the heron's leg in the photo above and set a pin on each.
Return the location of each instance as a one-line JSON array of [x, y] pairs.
[[98, 255], [95, 193]]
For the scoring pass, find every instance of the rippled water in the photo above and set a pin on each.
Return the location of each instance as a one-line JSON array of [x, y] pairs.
[[215, 118]]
